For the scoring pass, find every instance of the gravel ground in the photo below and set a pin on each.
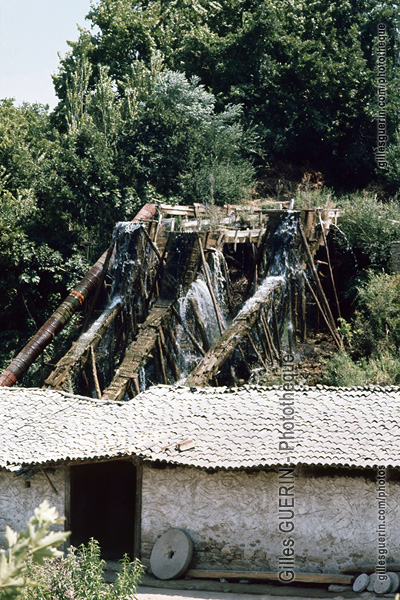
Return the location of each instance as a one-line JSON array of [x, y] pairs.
[[148, 593]]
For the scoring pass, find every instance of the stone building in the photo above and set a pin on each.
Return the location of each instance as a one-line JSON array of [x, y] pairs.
[[241, 470]]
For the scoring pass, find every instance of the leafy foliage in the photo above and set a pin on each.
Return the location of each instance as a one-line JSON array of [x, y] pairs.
[[38, 543], [370, 226], [304, 71], [80, 576], [342, 370]]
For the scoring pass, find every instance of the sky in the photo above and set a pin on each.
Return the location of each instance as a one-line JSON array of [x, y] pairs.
[[32, 32]]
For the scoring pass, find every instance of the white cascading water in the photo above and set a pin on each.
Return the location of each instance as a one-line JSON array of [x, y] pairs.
[[200, 294], [281, 263], [124, 267]]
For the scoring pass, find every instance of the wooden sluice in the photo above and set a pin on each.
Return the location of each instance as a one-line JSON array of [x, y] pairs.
[[126, 380], [141, 327]]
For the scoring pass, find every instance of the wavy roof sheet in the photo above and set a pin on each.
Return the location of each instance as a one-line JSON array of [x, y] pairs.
[[206, 427]]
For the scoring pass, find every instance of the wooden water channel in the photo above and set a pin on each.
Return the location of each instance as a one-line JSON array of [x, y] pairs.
[[136, 336]]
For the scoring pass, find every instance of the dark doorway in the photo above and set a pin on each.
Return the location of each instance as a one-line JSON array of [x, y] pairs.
[[102, 506]]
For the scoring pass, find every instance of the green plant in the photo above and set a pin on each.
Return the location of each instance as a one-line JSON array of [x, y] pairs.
[[80, 576], [370, 226], [37, 544], [342, 370]]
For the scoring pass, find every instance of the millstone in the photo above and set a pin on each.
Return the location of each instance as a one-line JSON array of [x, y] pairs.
[[361, 583], [171, 554], [382, 586], [372, 579], [395, 581]]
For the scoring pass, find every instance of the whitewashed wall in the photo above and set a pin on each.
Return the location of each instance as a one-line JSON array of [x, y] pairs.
[[233, 519], [17, 502]]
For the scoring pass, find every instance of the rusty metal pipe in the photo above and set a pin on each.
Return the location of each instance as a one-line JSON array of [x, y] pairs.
[[62, 315]]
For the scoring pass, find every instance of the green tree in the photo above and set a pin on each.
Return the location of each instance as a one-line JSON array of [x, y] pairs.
[[304, 71]]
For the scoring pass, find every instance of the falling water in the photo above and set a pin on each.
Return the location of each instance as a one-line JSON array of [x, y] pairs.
[[200, 294], [127, 262], [348, 247], [281, 262], [218, 279]]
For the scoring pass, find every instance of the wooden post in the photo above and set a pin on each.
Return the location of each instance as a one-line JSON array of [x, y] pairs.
[[210, 289], [171, 363], [276, 330], [290, 314], [317, 280], [303, 319], [162, 362], [94, 370], [337, 340], [260, 358], [228, 290], [295, 307], [262, 342], [268, 336], [329, 265]]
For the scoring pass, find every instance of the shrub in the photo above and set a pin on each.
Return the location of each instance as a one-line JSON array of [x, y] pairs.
[[370, 226], [79, 576], [380, 370], [36, 545]]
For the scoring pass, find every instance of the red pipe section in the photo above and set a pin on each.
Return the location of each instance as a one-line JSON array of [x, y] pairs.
[[62, 315]]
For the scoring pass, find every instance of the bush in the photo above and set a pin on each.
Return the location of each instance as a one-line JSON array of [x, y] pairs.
[[79, 576], [36, 545], [381, 370], [370, 226]]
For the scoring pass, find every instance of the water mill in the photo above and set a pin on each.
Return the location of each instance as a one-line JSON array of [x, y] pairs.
[[189, 295]]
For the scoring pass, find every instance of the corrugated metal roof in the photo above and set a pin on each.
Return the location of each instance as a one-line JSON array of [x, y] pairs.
[[205, 427]]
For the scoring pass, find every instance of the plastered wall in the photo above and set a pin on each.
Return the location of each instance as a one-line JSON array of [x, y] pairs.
[[17, 502], [233, 518]]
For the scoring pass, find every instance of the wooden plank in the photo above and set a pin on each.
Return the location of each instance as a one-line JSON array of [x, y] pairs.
[[80, 351], [94, 370], [137, 353], [324, 578], [368, 568], [208, 368]]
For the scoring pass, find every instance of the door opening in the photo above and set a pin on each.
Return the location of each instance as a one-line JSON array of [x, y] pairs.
[[102, 506]]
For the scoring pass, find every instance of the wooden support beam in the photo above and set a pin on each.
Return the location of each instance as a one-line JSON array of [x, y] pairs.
[[228, 281], [188, 333], [324, 301], [329, 265], [170, 360], [276, 331], [162, 362], [253, 345], [268, 336], [303, 318], [94, 371], [336, 339], [321, 578], [80, 350]]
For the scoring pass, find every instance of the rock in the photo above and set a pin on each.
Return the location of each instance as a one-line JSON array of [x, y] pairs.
[[338, 588], [361, 583], [171, 554]]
